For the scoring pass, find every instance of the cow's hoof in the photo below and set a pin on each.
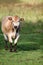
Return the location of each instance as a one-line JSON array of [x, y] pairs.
[[11, 51], [6, 48], [15, 50]]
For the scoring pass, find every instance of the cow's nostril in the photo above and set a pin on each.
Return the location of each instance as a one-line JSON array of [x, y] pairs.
[[15, 27]]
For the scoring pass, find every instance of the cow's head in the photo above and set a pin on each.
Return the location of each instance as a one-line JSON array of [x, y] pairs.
[[16, 21]]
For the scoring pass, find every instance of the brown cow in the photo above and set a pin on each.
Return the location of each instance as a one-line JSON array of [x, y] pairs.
[[10, 28]]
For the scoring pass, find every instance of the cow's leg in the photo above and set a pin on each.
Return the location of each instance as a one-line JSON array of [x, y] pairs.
[[6, 40], [15, 41], [10, 40], [10, 47]]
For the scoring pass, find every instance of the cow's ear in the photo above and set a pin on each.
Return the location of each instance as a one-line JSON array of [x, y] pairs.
[[21, 19], [10, 18]]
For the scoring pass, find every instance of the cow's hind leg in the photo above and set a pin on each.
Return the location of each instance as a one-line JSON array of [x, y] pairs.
[[6, 40]]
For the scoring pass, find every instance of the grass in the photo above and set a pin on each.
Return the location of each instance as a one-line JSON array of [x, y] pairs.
[[29, 48], [28, 13], [30, 44]]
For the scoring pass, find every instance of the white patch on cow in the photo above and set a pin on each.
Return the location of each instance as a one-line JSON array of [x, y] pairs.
[[15, 41], [10, 39], [16, 23], [5, 37], [11, 35]]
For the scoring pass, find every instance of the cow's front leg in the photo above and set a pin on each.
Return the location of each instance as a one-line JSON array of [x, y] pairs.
[[6, 40], [15, 41], [10, 40]]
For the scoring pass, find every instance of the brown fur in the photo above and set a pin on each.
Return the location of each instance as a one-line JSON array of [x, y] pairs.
[[18, 18], [7, 25]]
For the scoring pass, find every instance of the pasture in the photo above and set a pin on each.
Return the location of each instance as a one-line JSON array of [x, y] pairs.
[[30, 44]]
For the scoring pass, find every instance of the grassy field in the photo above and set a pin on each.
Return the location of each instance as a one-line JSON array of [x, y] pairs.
[[30, 44], [29, 48]]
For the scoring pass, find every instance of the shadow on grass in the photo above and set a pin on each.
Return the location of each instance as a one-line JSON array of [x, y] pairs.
[[28, 28], [28, 47]]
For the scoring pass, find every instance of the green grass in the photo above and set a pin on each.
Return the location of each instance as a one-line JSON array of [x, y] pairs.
[[29, 48], [30, 44]]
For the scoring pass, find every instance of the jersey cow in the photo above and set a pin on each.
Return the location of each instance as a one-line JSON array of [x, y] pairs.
[[10, 27]]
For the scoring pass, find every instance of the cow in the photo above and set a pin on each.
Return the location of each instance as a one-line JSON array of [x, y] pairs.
[[10, 27]]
